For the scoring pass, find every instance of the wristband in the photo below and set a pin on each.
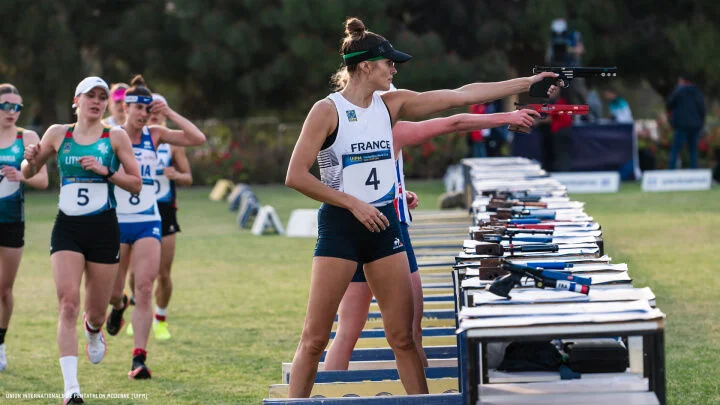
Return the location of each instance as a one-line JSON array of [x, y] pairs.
[[109, 174]]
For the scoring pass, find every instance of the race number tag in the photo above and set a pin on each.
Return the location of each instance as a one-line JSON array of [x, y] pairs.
[[83, 196], [162, 186], [369, 176], [7, 187], [142, 203]]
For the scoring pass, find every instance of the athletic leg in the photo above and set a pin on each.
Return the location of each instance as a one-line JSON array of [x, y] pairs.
[[329, 280], [352, 316], [145, 262], [418, 308], [68, 267], [118, 300], [389, 281], [98, 287], [9, 264]]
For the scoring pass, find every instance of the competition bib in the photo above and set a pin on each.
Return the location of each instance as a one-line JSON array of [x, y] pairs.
[[142, 203], [83, 196], [7, 187], [370, 176], [162, 187]]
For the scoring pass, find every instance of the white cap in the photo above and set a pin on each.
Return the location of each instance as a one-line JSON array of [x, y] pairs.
[[156, 96], [559, 25], [88, 84]]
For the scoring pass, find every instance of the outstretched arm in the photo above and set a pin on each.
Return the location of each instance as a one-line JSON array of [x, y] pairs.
[[410, 104], [406, 133]]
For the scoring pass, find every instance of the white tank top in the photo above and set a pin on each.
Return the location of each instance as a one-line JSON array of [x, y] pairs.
[[142, 207], [164, 187], [361, 161]]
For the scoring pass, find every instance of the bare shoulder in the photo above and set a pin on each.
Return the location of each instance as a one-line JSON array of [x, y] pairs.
[[117, 132], [30, 137], [56, 131], [323, 107], [323, 115]]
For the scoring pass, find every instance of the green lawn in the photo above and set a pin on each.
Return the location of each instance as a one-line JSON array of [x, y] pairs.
[[239, 299]]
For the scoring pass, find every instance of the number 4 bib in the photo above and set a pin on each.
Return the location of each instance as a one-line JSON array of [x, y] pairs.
[[369, 176]]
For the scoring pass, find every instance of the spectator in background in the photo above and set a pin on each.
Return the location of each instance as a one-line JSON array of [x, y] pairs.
[[476, 139], [593, 101], [618, 107], [686, 107], [566, 45], [566, 49]]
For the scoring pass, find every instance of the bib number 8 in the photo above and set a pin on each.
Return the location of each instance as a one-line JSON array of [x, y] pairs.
[[134, 199], [372, 179]]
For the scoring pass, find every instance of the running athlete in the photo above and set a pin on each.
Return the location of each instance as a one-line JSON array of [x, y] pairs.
[[350, 134], [354, 307], [139, 216], [12, 218], [117, 97], [173, 167], [85, 237]]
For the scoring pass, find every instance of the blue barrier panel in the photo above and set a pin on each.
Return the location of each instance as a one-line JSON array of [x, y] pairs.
[[432, 352], [379, 333], [379, 375]]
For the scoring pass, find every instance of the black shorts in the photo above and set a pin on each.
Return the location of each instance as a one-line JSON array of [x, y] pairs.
[[12, 234], [359, 276], [97, 237], [168, 215], [341, 235]]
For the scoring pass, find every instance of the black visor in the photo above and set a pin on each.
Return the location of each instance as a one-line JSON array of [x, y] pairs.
[[381, 51]]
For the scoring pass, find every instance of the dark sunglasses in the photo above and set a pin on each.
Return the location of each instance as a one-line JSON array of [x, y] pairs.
[[11, 107]]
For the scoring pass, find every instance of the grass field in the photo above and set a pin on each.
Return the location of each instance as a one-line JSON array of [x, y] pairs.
[[240, 300]]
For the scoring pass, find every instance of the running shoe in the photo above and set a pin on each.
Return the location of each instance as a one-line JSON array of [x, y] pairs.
[[95, 346], [161, 330], [115, 320], [139, 370], [74, 398], [3, 357]]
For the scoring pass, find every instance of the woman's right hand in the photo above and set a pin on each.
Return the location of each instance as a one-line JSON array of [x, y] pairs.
[[522, 118], [371, 217]]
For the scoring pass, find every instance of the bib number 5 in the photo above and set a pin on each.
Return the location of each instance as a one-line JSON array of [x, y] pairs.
[[82, 197]]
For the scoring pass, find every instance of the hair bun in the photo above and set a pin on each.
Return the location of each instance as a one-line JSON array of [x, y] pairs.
[[138, 81], [354, 27]]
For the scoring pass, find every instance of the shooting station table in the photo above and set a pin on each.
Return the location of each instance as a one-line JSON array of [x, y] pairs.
[[477, 332]]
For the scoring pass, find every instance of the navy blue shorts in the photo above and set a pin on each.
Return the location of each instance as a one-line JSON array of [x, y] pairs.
[[359, 276], [131, 232], [341, 235]]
